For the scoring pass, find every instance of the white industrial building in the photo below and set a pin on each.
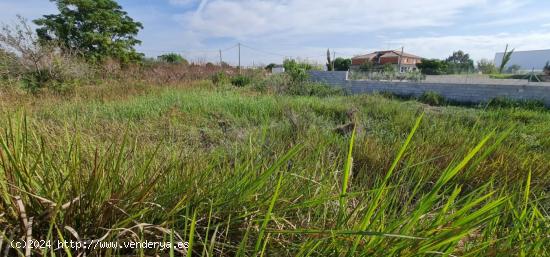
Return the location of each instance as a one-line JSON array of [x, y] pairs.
[[526, 60]]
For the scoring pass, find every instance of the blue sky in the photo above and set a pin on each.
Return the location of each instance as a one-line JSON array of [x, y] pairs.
[[272, 29]]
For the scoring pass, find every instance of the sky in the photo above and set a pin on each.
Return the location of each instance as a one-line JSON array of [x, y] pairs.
[[270, 30]]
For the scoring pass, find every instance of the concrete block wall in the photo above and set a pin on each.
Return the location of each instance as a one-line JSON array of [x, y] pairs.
[[333, 78], [467, 93]]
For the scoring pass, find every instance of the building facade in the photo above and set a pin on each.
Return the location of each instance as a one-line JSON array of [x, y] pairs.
[[526, 60], [403, 61]]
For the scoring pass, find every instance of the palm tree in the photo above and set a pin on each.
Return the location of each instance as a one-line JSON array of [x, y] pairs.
[[505, 58]]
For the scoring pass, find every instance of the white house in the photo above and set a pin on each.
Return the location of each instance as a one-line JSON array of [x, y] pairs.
[[527, 60]]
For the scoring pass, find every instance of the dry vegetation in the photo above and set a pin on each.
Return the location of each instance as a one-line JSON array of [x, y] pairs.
[[239, 163], [258, 170]]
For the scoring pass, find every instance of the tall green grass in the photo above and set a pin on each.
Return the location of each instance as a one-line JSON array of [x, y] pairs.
[[233, 172]]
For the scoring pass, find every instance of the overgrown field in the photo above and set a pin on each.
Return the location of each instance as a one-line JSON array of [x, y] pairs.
[[237, 172]]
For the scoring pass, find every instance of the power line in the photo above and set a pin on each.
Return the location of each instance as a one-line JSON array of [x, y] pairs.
[[264, 52], [217, 53]]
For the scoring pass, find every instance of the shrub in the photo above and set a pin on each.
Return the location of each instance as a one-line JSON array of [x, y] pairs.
[[38, 64], [486, 66], [173, 58], [322, 90], [342, 64], [241, 81], [389, 68], [298, 75], [366, 66], [432, 98], [313, 89], [432, 67], [220, 78]]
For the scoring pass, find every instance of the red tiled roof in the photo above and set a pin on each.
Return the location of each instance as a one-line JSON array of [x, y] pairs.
[[387, 53]]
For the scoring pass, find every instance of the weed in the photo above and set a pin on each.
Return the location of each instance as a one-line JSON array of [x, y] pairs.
[[432, 98]]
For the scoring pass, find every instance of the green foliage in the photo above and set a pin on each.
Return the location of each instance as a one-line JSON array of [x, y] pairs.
[[459, 57], [504, 102], [270, 67], [220, 78], [314, 89], [366, 66], [432, 98], [297, 70], [342, 64], [432, 67], [459, 62], [173, 58], [389, 68], [241, 80], [298, 75], [291, 64], [547, 68], [486, 66], [97, 29], [506, 57], [237, 173]]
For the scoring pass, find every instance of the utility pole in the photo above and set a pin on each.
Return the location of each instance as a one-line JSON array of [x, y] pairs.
[[400, 56], [221, 61], [239, 56]]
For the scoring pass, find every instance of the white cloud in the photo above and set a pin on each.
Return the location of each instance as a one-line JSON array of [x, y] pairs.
[[283, 18], [479, 46]]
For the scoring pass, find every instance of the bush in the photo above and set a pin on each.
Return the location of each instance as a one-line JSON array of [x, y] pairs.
[[314, 89], [39, 65], [241, 81], [432, 98], [220, 78], [173, 58], [298, 75], [486, 66], [432, 67], [366, 66], [342, 64]]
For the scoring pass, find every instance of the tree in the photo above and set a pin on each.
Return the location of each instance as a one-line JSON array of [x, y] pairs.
[[432, 67], [98, 29], [270, 67], [506, 57], [486, 66], [547, 68], [330, 63], [172, 58], [459, 62], [342, 64]]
